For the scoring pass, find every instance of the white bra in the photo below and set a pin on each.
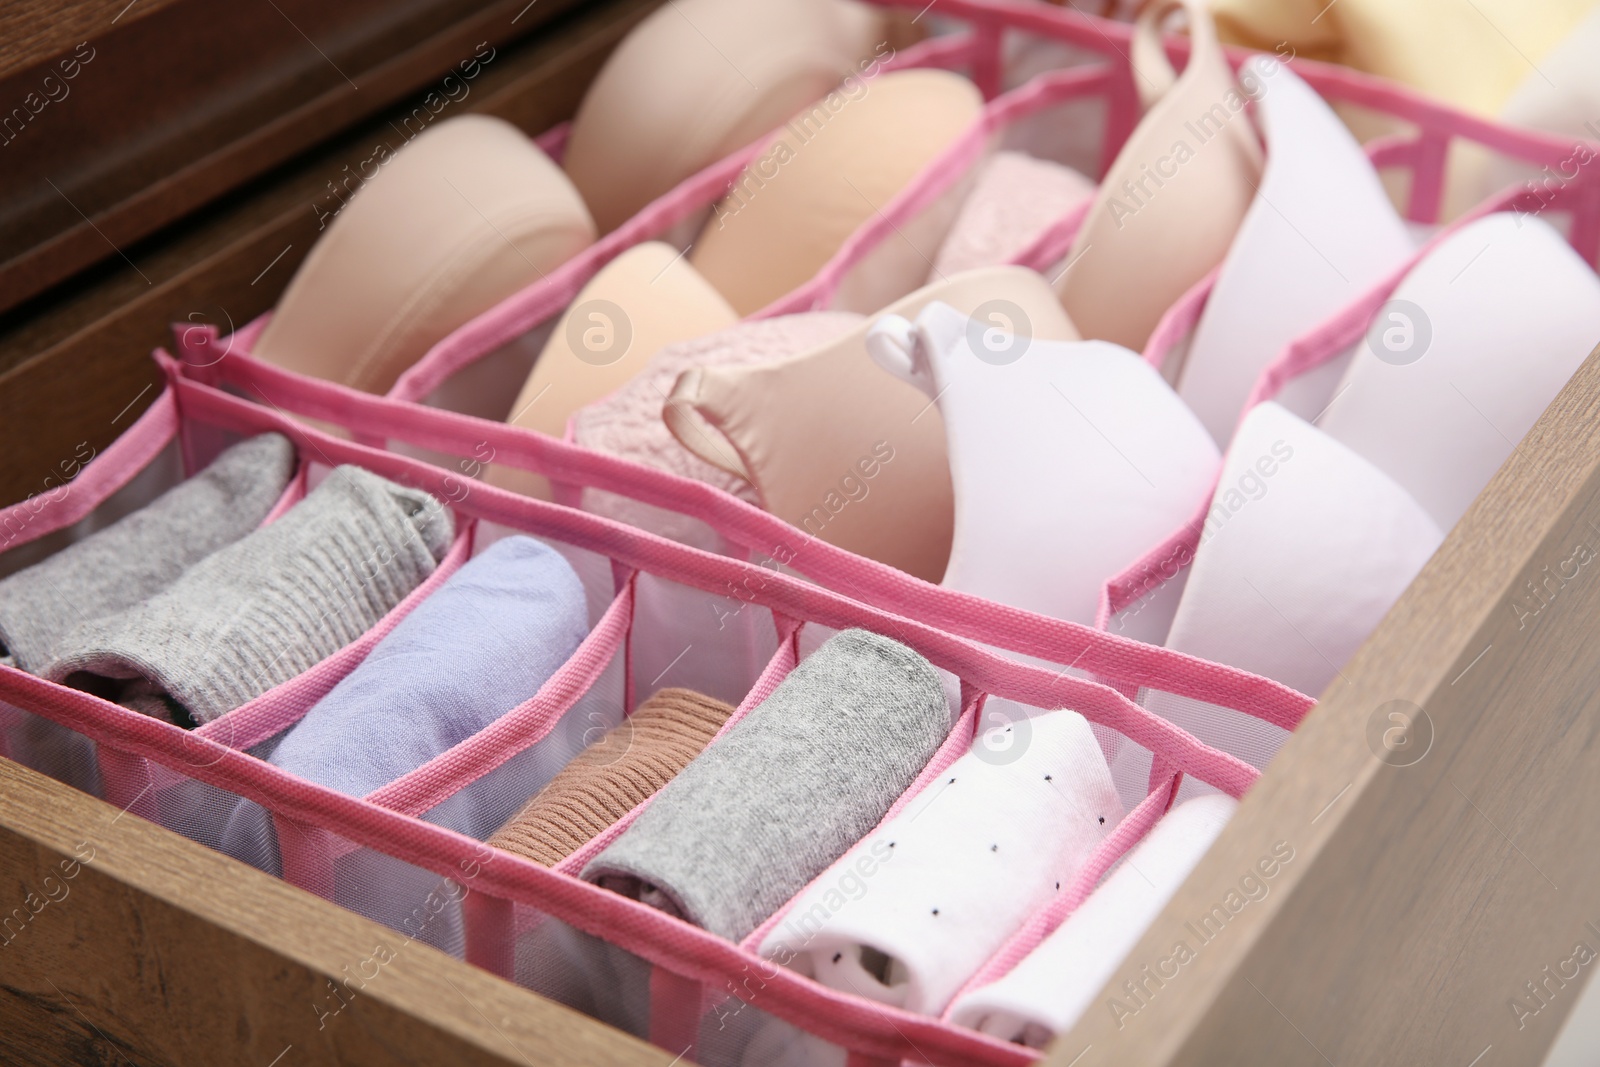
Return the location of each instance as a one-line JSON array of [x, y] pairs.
[[1320, 231], [1460, 363], [1067, 459], [1306, 546]]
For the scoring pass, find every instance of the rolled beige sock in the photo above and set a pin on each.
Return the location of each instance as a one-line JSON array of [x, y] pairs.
[[613, 776]]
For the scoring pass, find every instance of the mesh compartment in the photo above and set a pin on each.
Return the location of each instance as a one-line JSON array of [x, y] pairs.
[[49, 748]]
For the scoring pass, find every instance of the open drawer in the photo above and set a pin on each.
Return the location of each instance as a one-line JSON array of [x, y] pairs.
[[1433, 908]]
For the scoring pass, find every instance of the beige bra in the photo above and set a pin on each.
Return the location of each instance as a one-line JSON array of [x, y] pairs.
[[701, 78], [460, 218], [843, 450], [1175, 195], [646, 298], [830, 169]]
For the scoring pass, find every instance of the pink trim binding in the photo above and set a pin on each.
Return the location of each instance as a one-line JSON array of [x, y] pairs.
[[107, 472]]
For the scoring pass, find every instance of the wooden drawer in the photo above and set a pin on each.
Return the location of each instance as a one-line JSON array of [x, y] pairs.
[[1419, 900]]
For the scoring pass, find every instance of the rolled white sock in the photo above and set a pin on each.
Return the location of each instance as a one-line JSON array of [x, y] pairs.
[[1045, 994], [912, 912]]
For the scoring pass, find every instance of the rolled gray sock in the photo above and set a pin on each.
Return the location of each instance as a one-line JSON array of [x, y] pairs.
[[142, 553], [768, 806], [266, 608]]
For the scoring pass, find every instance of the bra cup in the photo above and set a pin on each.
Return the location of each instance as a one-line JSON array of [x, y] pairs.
[[830, 168], [849, 454], [1320, 232], [457, 220], [643, 300], [699, 79], [1488, 328], [1169, 205], [1305, 548], [1015, 198], [1066, 462]]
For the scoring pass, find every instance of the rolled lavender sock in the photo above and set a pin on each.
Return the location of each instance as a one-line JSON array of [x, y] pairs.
[[265, 608], [786, 790], [142, 553], [477, 647]]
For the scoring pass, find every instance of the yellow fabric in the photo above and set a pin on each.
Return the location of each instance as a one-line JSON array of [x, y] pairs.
[[1469, 53]]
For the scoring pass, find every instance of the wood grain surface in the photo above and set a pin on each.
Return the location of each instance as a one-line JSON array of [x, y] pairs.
[[158, 109]]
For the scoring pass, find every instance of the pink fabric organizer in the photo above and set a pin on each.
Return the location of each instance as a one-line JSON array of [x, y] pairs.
[[991, 25], [387, 855], [381, 855]]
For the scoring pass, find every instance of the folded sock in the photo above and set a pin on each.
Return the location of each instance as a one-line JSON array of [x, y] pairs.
[[477, 647], [791, 786], [1055, 983], [909, 914], [142, 553], [267, 607], [611, 777]]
